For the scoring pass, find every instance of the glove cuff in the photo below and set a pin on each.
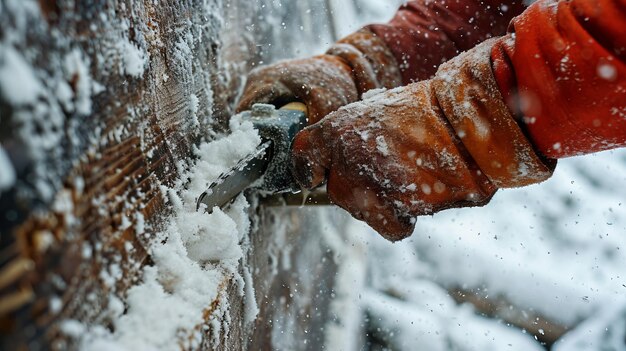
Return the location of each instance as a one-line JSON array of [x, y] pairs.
[[373, 64], [468, 94]]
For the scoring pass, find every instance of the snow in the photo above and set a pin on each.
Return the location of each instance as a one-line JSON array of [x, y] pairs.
[[43, 95], [133, 59], [56, 304], [342, 332], [251, 308], [409, 312], [351, 15], [554, 248], [607, 71], [72, 328], [605, 331], [77, 67], [407, 326], [381, 145], [7, 172], [372, 92], [18, 83], [193, 109], [211, 237]]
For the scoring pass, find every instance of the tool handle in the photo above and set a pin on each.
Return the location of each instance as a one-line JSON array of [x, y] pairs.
[[279, 127], [296, 106]]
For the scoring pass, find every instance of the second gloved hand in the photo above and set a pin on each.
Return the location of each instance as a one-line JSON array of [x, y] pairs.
[[323, 83], [352, 66], [388, 159]]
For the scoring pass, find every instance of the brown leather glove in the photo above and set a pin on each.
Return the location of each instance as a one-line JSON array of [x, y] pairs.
[[352, 66], [432, 145]]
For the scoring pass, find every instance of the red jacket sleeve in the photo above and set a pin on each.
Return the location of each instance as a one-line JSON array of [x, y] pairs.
[[426, 33], [562, 71]]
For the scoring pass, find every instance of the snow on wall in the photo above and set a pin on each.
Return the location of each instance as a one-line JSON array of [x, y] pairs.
[[555, 248], [194, 257]]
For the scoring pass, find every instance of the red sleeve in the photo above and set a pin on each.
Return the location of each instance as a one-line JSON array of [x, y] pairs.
[[562, 70], [426, 33]]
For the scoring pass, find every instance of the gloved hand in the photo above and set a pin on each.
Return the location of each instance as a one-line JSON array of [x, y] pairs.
[[324, 83], [432, 145]]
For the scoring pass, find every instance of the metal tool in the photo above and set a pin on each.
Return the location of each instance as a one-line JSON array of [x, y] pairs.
[[267, 168]]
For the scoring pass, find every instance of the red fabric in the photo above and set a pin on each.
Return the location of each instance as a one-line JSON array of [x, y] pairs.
[[426, 33], [563, 71]]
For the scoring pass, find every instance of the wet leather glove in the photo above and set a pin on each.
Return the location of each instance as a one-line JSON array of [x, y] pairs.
[[441, 143], [352, 66]]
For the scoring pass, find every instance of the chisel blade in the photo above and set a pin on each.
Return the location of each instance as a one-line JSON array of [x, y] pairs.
[[237, 179]]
